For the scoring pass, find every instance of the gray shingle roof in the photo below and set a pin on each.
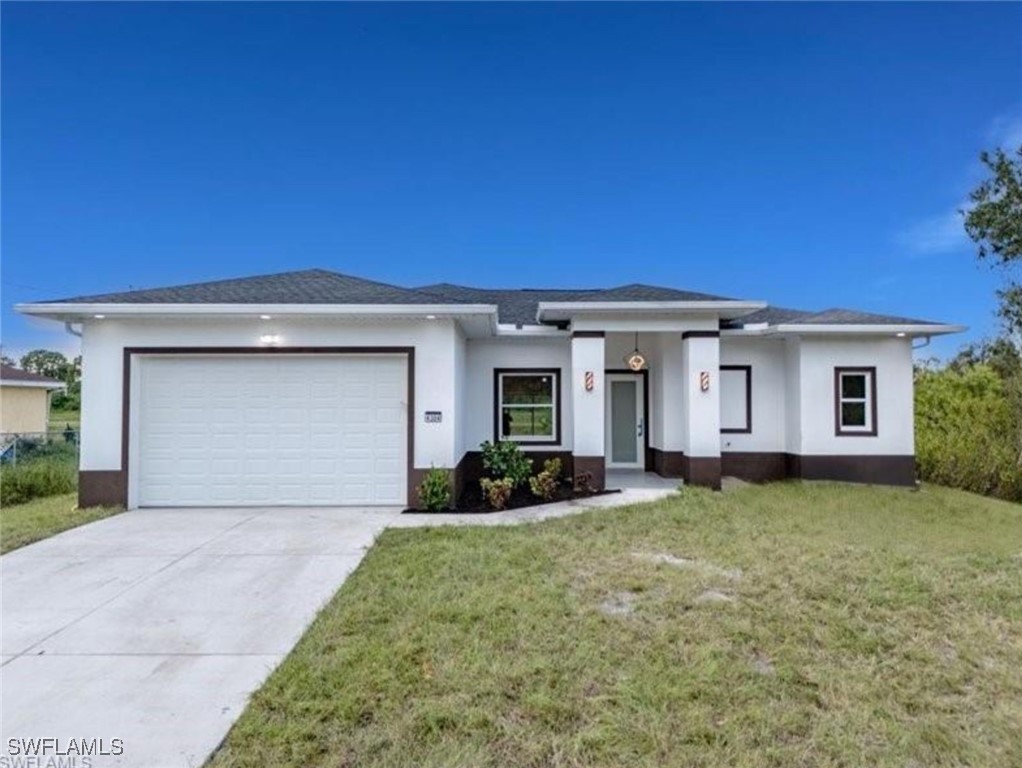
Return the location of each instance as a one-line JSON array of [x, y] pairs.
[[9, 373], [516, 306], [309, 286], [783, 316], [519, 306]]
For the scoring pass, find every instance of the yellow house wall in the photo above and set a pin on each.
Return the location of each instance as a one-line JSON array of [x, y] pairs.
[[23, 409]]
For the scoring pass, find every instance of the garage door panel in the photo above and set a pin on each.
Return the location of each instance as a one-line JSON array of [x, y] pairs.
[[268, 430]]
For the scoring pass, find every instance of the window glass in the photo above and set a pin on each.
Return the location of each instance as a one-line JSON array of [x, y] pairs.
[[528, 406]]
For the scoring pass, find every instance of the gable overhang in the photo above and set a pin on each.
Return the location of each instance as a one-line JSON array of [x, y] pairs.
[[562, 311]]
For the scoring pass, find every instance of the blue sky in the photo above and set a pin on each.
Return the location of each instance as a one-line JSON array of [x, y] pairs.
[[809, 155]]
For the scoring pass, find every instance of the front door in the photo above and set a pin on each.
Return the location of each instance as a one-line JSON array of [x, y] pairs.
[[625, 428]]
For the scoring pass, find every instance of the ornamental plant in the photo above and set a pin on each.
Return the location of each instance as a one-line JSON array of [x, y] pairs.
[[497, 492], [546, 482], [505, 460], [435, 489]]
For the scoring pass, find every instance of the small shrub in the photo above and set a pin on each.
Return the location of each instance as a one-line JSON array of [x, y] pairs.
[[584, 483], [505, 460], [435, 489], [545, 484], [36, 479], [497, 492]]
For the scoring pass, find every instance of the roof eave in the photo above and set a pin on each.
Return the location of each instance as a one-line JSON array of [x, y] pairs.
[[79, 311], [565, 310], [849, 329], [32, 384]]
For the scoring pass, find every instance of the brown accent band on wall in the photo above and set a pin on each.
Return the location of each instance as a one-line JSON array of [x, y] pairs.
[[756, 467], [412, 483], [747, 430], [470, 469], [588, 334], [700, 335], [667, 463], [877, 470], [702, 470], [595, 466], [102, 488], [557, 374]]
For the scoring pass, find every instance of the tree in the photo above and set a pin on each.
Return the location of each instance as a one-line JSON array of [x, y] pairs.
[[994, 223], [45, 362]]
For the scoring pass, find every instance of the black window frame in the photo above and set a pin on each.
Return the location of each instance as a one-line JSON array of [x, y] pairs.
[[747, 430], [498, 374]]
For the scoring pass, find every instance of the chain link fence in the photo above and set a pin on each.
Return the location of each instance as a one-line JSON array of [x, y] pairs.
[[23, 447]]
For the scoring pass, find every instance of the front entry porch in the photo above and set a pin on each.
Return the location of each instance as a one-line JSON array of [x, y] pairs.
[[647, 401]]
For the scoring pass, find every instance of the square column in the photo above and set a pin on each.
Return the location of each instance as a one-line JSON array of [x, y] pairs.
[[588, 441], [700, 366]]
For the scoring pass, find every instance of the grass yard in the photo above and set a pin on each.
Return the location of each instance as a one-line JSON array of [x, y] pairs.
[[784, 625], [59, 420], [21, 524]]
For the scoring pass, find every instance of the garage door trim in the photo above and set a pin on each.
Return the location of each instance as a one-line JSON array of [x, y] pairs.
[[130, 352]]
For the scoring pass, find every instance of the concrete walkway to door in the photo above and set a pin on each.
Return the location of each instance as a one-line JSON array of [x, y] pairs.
[[155, 626]]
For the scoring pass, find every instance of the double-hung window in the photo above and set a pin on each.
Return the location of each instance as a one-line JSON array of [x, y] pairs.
[[527, 405], [855, 407]]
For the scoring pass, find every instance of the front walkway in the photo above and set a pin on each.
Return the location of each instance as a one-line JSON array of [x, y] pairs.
[[155, 626]]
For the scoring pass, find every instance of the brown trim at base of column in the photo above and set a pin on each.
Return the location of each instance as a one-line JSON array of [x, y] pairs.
[[754, 466], [666, 463], [102, 488], [595, 466], [702, 470], [874, 470]]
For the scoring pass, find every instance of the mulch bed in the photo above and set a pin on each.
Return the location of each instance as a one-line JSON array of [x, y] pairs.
[[472, 501]]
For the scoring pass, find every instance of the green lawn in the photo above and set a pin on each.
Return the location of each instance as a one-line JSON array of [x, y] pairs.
[[809, 625], [22, 524]]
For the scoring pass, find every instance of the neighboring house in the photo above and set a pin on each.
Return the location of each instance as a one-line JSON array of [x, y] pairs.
[[313, 387], [24, 401]]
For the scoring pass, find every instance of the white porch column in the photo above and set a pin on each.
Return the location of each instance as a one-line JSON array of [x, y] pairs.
[[588, 357], [701, 407]]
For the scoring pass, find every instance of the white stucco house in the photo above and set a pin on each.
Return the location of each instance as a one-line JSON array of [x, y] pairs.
[[313, 387]]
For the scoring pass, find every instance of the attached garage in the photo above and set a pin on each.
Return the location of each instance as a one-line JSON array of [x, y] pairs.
[[269, 429]]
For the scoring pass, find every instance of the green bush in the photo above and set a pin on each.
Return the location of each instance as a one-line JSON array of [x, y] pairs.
[[435, 489], [497, 492], [35, 479], [505, 460], [546, 483], [969, 430]]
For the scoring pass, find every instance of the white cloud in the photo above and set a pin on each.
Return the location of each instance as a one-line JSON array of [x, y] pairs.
[[935, 235], [1006, 132]]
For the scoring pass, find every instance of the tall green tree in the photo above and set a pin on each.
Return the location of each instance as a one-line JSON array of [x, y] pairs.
[[45, 362], [994, 222]]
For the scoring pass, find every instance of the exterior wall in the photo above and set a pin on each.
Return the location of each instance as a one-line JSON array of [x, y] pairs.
[[483, 356], [793, 413], [895, 425], [103, 346], [24, 409], [769, 393]]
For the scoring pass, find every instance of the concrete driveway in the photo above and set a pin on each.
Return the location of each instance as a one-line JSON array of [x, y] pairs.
[[155, 626]]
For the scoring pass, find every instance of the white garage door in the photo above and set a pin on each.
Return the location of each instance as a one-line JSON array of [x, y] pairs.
[[254, 430]]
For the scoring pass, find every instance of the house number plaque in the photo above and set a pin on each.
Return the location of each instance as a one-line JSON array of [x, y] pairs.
[[434, 417]]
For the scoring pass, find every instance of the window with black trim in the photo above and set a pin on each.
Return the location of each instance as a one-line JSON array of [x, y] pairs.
[[736, 399], [855, 402], [527, 403]]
